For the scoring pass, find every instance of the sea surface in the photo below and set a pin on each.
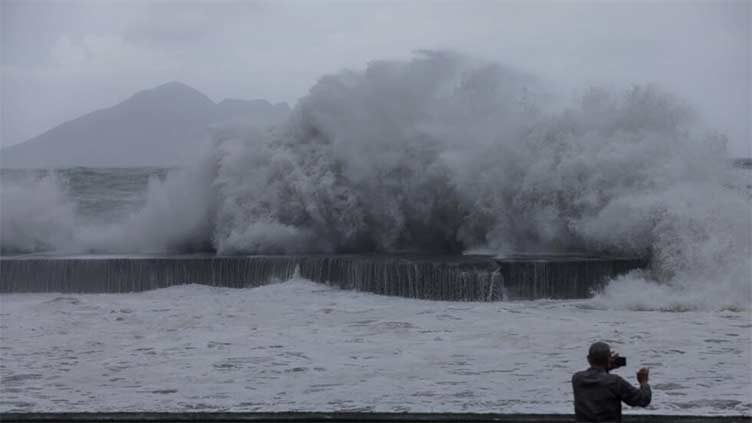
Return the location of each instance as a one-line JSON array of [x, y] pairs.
[[302, 346], [435, 154], [99, 195], [297, 345]]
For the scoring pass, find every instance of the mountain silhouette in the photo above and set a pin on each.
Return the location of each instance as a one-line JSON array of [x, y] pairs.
[[163, 126]]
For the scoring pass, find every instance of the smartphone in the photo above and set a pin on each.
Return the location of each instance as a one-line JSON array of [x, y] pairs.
[[620, 361]]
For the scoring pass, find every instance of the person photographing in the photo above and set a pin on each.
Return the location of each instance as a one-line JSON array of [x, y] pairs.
[[598, 394]]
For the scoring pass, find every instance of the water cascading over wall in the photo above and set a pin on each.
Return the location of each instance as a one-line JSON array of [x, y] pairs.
[[458, 278]]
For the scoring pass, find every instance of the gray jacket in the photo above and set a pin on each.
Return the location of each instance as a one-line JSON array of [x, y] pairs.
[[598, 395]]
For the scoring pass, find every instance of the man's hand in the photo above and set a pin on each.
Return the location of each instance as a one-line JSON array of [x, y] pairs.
[[612, 360], [642, 375]]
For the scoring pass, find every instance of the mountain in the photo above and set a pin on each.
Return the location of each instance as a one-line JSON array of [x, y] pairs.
[[163, 126]]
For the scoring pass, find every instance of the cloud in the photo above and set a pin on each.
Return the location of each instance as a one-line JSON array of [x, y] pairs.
[[108, 53], [164, 24], [278, 49]]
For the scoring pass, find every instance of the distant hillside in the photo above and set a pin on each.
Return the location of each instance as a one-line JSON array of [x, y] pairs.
[[163, 126]]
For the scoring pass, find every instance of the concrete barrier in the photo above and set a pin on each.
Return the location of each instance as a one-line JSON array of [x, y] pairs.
[[452, 278]]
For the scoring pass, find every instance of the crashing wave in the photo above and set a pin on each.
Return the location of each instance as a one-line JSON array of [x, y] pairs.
[[444, 154]]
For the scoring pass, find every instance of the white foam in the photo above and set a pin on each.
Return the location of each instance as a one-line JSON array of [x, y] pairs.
[[442, 153], [35, 215], [303, 346]]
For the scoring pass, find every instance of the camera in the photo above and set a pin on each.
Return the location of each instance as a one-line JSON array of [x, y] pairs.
[[619, 362]]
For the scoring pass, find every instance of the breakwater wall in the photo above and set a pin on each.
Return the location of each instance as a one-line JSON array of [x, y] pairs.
[[454, 278]]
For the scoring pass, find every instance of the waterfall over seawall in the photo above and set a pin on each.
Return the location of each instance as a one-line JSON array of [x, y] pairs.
[[454, 278]]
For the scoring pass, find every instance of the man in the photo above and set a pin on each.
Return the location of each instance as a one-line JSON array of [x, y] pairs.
[[598, 394]]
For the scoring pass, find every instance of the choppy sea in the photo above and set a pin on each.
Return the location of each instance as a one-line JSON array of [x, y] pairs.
[[298, 345]]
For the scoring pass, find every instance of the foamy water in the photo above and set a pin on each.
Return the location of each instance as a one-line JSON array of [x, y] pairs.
[[303, 346]]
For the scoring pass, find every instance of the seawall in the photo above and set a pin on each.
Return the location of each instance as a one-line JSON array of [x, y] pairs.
[[453, 278]]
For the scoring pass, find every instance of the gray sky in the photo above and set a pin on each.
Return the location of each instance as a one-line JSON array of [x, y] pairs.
[[64, 58]]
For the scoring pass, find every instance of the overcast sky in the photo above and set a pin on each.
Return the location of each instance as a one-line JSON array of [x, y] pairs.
[[64, 58]]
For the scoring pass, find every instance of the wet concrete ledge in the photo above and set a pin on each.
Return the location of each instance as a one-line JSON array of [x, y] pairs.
[[450, 278], [342, 417]]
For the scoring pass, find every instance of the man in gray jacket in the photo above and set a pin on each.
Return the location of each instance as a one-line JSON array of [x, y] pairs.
[[598, 394]]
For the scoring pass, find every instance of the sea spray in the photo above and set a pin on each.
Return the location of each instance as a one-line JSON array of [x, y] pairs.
[[176, 217], [444, 154], [35, 215]]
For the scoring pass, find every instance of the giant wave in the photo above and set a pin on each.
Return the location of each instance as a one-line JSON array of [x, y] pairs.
[[446, 154]]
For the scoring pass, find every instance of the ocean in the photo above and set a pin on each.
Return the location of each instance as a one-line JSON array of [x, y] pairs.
[[436, 155], [98, 194], [297, 345], [300, 346]]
